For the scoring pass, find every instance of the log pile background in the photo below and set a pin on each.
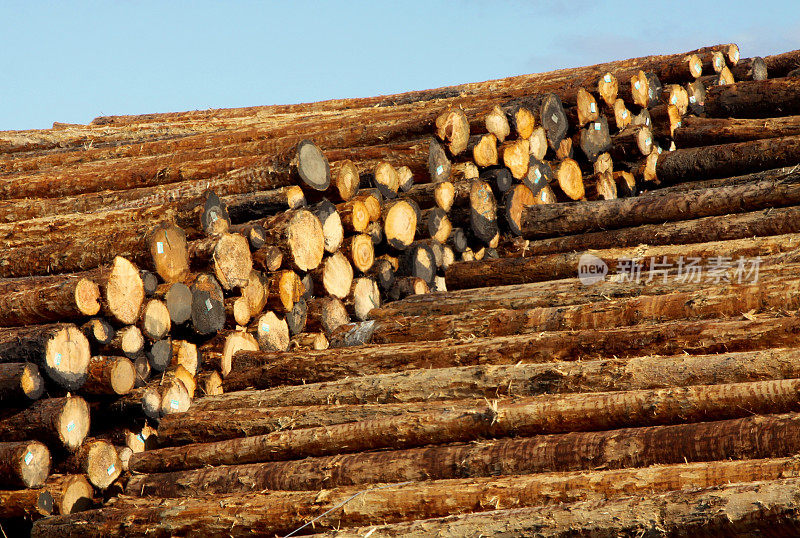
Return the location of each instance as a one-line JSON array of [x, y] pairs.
[[362, 317]]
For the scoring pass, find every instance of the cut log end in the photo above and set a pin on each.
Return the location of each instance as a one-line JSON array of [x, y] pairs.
[[335, 275], [326, 314], [169, 252], [312, 166], [607, 87], [444, 194], [72, 422], [67, 355], [305, 240], [570, 179], [452, 127], [285, 289], [87, 297], [365, 296], [178, 300], [273, 333], [235, 342], [232, 261], [124, 291], [156, 320], [496, 123], [31, 382], [361, 252], [400, 224], [347, 180], [71, 493], [516, 200], [29, 462]]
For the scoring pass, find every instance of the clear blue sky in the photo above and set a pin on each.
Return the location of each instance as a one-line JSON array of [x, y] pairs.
[[70, 61]]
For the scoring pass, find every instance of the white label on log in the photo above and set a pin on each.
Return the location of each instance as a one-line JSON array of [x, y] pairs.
[[659, 151], [555, 118], [70, 426], [439, 170], [636, 84], [208, 304], [160, 247], [538, 174], [647, 141], [718, 61], [213, 216], [544, 196], [597, 126], [141, 437], [647, 121], [57, 359], [692, 99], [111, 470], [174, 404], [674, 99], [678, 124], [265, 327], [592, 107], [607, 77], [28, 458], [624, 114]]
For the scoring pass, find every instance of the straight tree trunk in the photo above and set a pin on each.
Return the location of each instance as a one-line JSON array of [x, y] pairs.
[[60, 422], [729, 510], [562, 219], [421, 500], [506, 271], [754, 437], [695, 131], [265, 370], [41, 301], [754, 99]]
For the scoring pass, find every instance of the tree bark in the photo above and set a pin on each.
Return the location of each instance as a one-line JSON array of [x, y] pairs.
[[109, 376], [493, 381], [422, 500], [20, 383], [60, 422], [264, 370], [754, 99], [696, 131], [779, 65], [98, 460], [392, 425], [729, 510], [41, 301], [24, 464], [71, 493], [766, 222], [506, 271], [299, 236], [758, 436]]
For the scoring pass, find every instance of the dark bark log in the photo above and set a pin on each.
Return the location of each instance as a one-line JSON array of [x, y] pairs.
[[109, 376], [701, 336], [23, 464], [60, 422], [208, 305], [506, 271], [71, 493], [29, 504], [779, 65], [20, 383], [98, 460], [754, 99], [227, 255], [38, 300], [560, 219], [696, 131], [754, 68]]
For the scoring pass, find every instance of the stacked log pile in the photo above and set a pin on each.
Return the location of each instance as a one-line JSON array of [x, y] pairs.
[[362, 316]]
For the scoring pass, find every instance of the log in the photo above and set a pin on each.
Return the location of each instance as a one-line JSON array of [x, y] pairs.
[[297, 316], [28, 504], [727, 160], [504, 271], [326, 314], [247, 206], [364, 296], [561, 219], [300, 237], [754, 99], [631, 143], [766, 222], [779, 65], [354, 216], [24, 464], [334, 276], [754, 68], [661, 338], [60, 350], [435, 224], [359, 251], [751, 437], [272, 332], [393, 425], [515, 201], [452, 128], [595, 139], [284, 290], [178, 299], [399, 223], [515, 155], [420, 500], [514, 380], [20, 382], [60, 422], [227, 256], [71, 493], [109, 376], [98, 460], [98, 331], [159, 356], [484, 150], [45, 300], [208, 305], [736, 511], [695, 131], [156, 322], [309, 341], [237, 311], [234, 342], [209, 384]]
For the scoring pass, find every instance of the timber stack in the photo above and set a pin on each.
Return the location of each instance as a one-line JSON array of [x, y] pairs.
[[362, 317]]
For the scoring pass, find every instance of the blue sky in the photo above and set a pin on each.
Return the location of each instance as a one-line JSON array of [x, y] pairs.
[[71, 61]]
